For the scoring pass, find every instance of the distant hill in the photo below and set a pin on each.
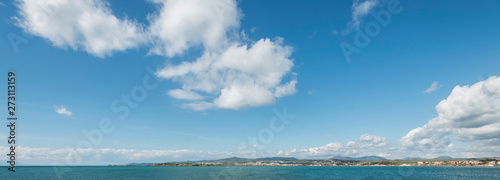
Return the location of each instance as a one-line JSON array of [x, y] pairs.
[[227, 160], [277, 159], [233, 159], [360, 158], [241, 160], [444, 157], [341, 160]]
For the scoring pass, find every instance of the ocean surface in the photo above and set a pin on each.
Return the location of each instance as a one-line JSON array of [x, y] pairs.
[[250, 172]]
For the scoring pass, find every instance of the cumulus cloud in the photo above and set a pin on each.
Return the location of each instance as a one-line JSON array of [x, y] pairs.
[[241, 76], [373, 140], [469, 114], [235, 74], [181, 24], [79, 24], [62, 110], [90, 25], [434, 86]]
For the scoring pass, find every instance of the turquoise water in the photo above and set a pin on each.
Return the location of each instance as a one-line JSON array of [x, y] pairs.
[[252, 172]]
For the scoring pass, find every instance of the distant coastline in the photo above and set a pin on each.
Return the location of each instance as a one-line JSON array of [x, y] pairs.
[[338, 161]]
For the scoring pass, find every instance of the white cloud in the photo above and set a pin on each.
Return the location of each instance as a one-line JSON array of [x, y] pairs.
[[62, 110], [286, 89], [240, 76], [247, 147], [253, 29], [182, 24], [384, 155], [358, 11], [79, 24], [90, 25], [366, 146], [373, 140], [469, 114], [434, 86], [199, 105], [184, 94]]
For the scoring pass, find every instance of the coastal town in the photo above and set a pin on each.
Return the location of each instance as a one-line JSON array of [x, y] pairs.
[[277, 161]]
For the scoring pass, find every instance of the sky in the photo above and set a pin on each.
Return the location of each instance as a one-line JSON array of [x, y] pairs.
[[112, 82]]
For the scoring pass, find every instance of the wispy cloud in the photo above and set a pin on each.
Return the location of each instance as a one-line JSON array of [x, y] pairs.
[[62, 110], [359, 10], [184, 94], [247, 147], [434, 86]]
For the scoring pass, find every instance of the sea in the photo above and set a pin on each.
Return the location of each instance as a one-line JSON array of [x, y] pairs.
[[250, 172]]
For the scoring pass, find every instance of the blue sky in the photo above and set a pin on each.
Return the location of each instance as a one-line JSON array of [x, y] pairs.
[[296, 63]]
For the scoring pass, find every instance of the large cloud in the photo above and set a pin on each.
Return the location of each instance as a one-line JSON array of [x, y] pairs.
[[79, 24], [182, 24], [469, 114], [240, 76], [231, 73]]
